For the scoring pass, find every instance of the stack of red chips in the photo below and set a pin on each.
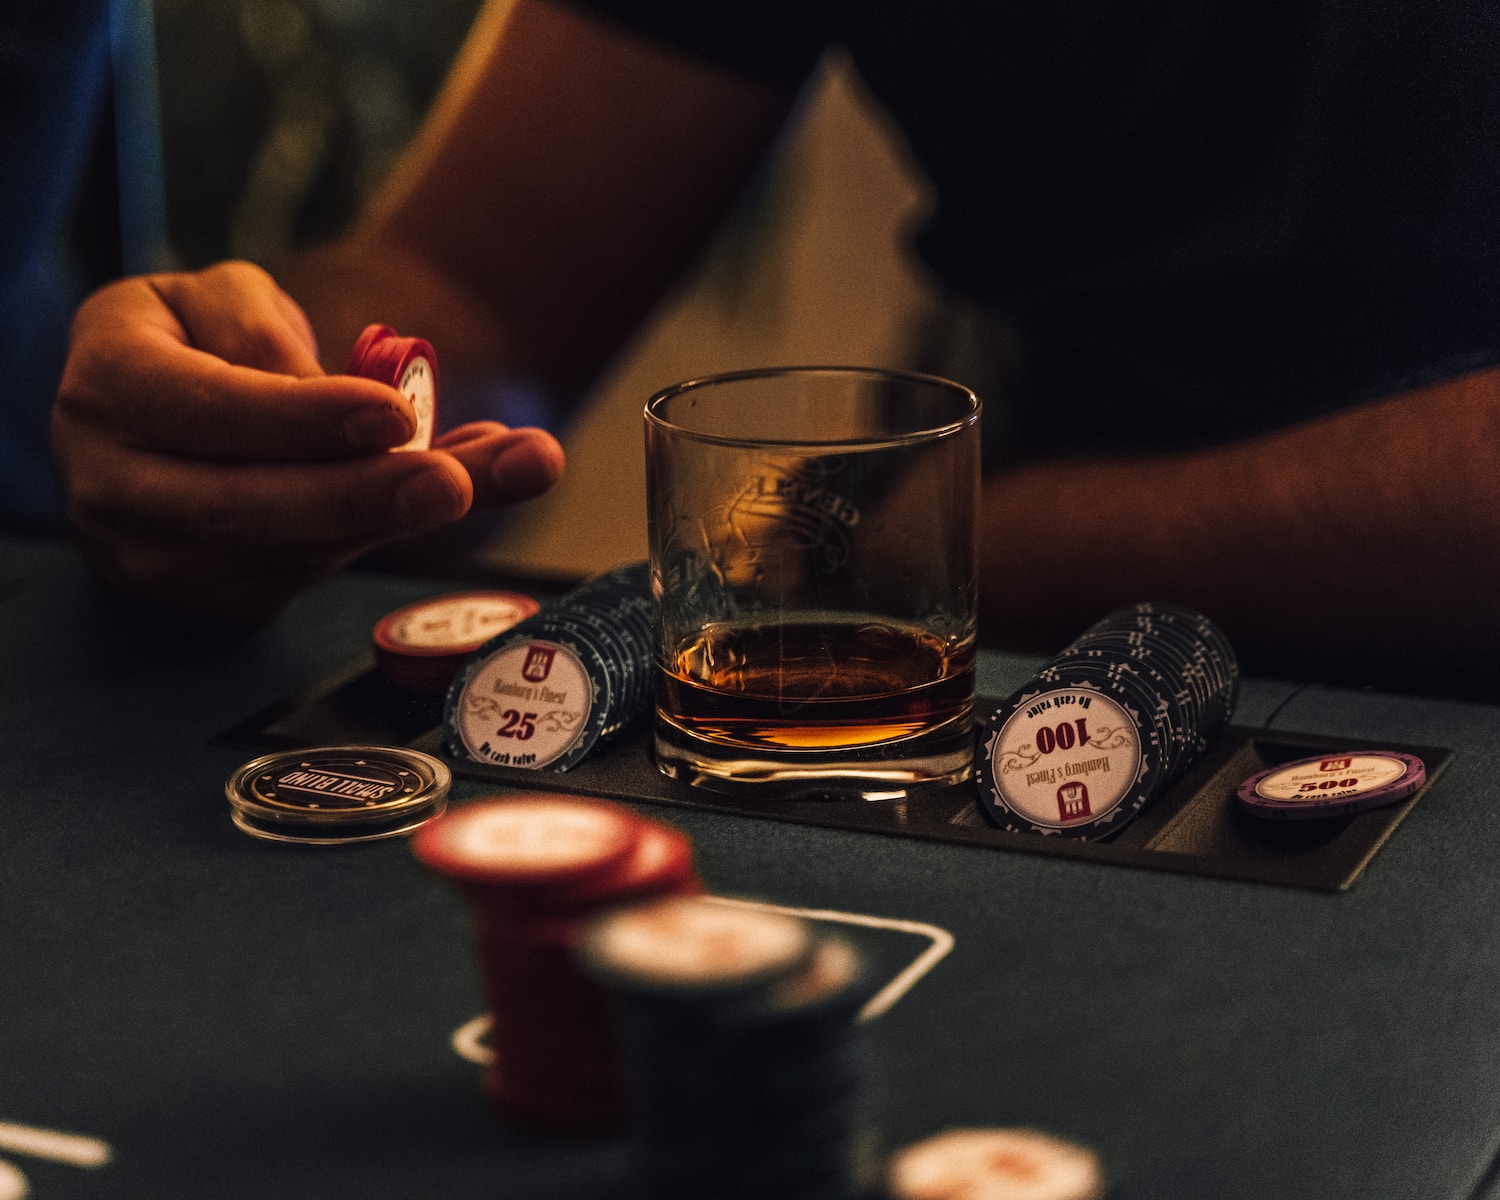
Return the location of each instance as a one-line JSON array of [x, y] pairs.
[[535, 868]]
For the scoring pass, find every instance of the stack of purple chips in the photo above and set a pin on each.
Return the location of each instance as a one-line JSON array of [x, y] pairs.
[[1108, 723]]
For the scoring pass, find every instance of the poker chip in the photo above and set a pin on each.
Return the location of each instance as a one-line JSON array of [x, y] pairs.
[[530, 841], [333, 795], [1332, 785], [662, 864], [535, 868], [994, 1164], [422, 646], [408, 365], [1107, 724], [697, 946], [564, 681], [747, 1065], [1075, 757]]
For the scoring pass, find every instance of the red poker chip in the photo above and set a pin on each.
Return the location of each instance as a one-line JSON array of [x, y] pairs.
[[362, 346], [406, 364], [422, 646], [661, 865], [536, 867], [530, 844]]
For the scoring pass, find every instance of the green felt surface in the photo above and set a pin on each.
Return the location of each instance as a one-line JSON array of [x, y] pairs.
[[244, 1020]]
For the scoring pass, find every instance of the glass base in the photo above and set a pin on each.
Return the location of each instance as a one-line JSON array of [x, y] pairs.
[[894, 771]]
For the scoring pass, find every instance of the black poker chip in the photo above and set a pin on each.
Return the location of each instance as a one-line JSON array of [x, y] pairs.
[[334, 795], [1077, 756], [550, 690], [749, 1071], [1107, 724], [1172, 704]]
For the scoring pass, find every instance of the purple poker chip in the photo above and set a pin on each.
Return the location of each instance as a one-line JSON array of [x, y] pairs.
[[1332, 785]]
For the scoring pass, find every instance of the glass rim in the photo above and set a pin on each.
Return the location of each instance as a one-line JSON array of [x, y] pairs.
[[929, 433]]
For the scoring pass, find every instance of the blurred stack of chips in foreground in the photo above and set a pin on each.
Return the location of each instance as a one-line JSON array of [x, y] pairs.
[[747, 1069], [534, 869], [725, 1033]]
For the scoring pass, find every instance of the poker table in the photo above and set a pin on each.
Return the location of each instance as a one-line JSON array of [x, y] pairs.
[[189, 1012]]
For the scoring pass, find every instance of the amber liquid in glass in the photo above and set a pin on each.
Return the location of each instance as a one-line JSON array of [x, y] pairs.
[[811, 686]]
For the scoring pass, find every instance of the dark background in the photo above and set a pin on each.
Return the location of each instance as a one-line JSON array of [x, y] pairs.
[[280, 116]]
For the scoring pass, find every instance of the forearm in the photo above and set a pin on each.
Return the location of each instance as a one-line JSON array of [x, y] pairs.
[[1370, 532], [564, 180]]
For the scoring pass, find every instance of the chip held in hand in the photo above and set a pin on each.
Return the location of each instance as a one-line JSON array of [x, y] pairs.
[[409, 366]]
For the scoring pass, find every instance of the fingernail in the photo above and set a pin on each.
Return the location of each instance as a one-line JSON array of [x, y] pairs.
[[427, 498], [375, 429]]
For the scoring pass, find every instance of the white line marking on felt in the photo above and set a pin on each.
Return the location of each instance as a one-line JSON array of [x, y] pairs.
[[71, 1148], [885, 999], [468, 1039], [13, 1185]]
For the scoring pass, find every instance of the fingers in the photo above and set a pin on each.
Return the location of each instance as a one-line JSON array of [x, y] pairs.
[[237, 312], [369, 499], [233, 543], [136, 376], [506, 465], [365, 500], [211, 467]]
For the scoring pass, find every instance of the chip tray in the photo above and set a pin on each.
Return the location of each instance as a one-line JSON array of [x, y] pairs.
[[1196, 827]]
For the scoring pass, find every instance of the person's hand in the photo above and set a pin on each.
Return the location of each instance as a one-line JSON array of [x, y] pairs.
[[210, 467]]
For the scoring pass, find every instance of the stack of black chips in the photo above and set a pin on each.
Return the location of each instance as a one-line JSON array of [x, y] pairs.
[[747, 1087], [1168, 668], [607, 623]]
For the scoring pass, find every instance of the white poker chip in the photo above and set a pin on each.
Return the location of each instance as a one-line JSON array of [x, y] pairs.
[[418, 383], [995, 1164], [693, 943]]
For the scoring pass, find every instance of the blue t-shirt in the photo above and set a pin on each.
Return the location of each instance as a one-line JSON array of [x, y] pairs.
[[67, 139], [1197, 219]]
